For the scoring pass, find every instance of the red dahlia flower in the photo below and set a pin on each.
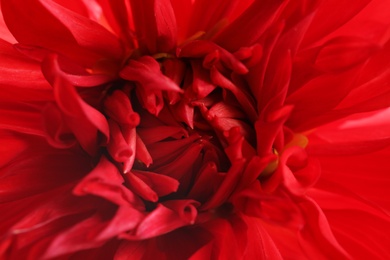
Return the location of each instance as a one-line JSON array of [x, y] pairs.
[[193, 129]]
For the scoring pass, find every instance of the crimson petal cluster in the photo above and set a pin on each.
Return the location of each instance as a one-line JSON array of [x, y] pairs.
[[182, 129]]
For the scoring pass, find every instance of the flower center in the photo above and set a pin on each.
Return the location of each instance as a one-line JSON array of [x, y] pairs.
[[187, 117]]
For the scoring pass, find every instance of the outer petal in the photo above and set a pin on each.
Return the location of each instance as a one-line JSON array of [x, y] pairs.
[[17, 72], [84, 120], [342, 12], [155, 24], [362, 229], [355, 135], [208, 16], [4, 32], [250, 26], [75, 36], [25, 178]]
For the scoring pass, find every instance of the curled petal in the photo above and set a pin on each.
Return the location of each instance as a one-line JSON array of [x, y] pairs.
[[201, 48], [299, 172], [167, 217], [58, 133], [118, 148], [84, 120], [146, 71], [119, 108], [105, 181], [245, 100]]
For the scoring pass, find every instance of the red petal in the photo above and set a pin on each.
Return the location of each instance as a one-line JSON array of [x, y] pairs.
[[84, 120], [146, 71], [201, 82], [21, 118], [159, 133], [366, 175], [251, 25], [33, 172], [57, 132], [182, 243], [83, 41], [318, 229], [77, 7], [105, 181], [163, 185], [118, 147], [116, 13], [371, 91], [11, 147], [200, 48], [138, 186], [167, 152], [121, 222], [182, 9], [353, 135], [227, 186], [348, 51], [207, 16], [17, 73], [346, 212], [257, 234], [183, 165], [206, 180], [118, 107], [342, 12], [5, 34], [135, 250], [316, 95], [165, 218], [242, 97], [142, 154], [306, 171], [79, 237], [155, 24], [52, 206], [87, 33]]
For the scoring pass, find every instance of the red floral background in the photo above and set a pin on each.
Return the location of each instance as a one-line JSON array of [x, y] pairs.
[[193, 129]]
